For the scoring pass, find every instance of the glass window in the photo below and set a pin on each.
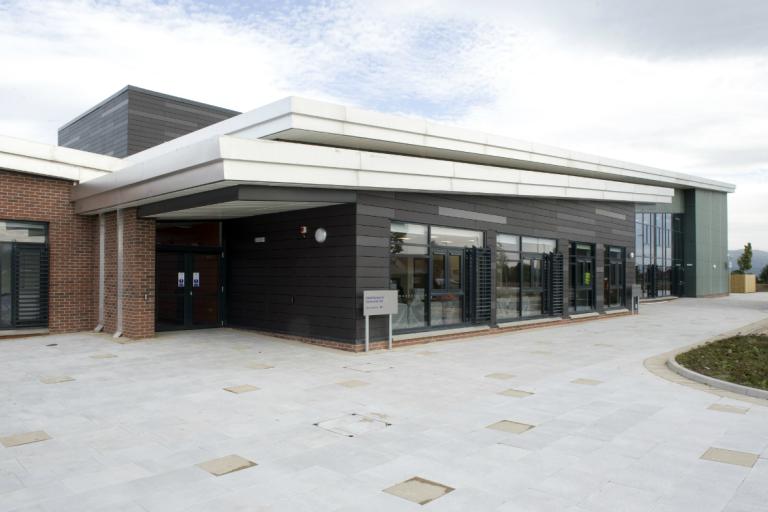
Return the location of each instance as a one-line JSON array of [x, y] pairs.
[[507, 285], [455, 271], [20, 231], [5, 285], [508, 243], [406, 238], [449, 237], [446, 309], [438, 271], [538, 245], [409, 275]]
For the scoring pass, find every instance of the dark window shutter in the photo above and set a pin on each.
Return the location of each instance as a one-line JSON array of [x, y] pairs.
[[553, 284], [31, 285], [478, 290]]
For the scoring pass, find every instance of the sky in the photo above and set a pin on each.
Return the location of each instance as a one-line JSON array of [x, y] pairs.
[[677, 84]]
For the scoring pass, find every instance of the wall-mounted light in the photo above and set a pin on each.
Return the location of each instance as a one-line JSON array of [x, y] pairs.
[[631, 255], [320, 235]]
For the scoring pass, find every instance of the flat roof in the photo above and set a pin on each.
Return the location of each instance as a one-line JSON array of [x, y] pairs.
[[306, 121]]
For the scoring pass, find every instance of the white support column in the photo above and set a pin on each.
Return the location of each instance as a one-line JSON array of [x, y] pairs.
[[119, 324], [102, 244]]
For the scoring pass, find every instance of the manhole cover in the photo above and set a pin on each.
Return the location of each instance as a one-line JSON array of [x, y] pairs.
[[351, 425]]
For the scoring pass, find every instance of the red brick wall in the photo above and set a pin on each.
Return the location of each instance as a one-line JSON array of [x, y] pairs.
[[138, 275], [73, 269], [110, 271]]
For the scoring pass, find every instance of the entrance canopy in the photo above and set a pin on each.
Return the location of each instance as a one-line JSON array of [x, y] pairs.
[[243, 201], [228, 161]]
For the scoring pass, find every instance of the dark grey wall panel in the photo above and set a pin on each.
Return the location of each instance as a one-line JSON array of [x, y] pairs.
[[293, 285], [136, 119], [563, 220]]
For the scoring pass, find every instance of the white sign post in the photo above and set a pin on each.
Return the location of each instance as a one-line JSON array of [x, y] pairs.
[[378, 302]]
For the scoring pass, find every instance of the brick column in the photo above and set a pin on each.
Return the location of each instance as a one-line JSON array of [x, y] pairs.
[[138, 275]]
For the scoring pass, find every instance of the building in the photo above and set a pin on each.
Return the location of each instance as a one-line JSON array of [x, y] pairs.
[[156, 212]]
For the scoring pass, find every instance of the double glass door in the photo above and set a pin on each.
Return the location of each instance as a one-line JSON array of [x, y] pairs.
[[188, 290], [447, 290], [582, 277], [613, 280]]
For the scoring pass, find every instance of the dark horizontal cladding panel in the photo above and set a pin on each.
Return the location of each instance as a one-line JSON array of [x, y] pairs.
[[103, 130], [290, 284]]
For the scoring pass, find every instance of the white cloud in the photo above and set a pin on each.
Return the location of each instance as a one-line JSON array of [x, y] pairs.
[[628, 82]]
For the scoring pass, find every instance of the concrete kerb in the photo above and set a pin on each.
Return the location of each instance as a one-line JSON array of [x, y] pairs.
[[666, 366], [716, 383]]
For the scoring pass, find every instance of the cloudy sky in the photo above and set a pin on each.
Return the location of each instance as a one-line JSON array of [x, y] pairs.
[[676, 84]]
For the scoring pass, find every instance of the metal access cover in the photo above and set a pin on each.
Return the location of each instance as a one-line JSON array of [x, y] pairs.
[[351, 425]]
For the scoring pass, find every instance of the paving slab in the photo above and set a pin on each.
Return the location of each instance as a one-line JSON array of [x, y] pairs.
[[24, 438], [225, 465], [419, 490], [131, 433]]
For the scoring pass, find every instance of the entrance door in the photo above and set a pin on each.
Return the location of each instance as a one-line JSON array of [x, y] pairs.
[[582, 277], [613, 290], [447, 291], [188, 290]]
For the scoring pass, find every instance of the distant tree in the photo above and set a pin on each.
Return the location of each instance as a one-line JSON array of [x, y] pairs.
[[745, 260], [763, 277]]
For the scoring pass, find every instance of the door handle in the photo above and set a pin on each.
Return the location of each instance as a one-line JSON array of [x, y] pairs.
[[190, 294]]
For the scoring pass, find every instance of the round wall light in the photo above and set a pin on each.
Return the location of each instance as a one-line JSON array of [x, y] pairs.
[[320, 235]]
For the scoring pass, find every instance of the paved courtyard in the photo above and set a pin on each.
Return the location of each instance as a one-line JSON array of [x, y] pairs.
[[577, 422]]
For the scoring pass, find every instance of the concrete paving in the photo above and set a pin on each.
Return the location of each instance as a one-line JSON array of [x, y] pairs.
[[130, 432]]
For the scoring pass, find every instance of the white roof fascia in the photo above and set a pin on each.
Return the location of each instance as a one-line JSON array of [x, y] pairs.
[[292, 117], [227, 160], [312, 115], [54, 161]]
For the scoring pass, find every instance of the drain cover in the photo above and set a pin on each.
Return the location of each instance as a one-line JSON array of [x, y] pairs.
[[351, 425]]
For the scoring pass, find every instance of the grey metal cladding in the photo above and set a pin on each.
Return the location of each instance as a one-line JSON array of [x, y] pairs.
[[608, 213], [560, 219], [136, 119], [467, 214]]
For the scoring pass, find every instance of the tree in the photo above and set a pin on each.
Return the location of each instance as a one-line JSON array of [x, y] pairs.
[[763, 277], [745, 260]]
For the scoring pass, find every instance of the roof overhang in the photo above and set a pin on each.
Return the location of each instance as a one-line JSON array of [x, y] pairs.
[[54, 161], [320, 123], [222, 162]]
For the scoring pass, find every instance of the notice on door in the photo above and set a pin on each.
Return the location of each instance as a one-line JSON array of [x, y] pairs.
[[196, 279], [379, 302], [180, 280]]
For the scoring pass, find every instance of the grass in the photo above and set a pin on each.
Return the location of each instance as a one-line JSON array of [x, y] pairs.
[[740, 359]]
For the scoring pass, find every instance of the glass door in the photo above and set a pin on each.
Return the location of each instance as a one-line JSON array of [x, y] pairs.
[[188, 290], [613, 280], [204, 296], [447, 288], [582, 277]]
